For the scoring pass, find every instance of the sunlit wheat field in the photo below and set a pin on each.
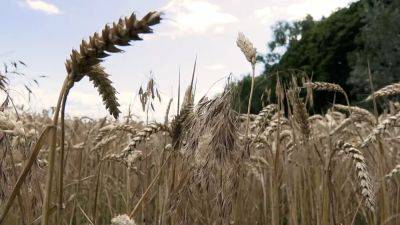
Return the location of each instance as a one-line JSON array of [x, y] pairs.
[[304, 151]]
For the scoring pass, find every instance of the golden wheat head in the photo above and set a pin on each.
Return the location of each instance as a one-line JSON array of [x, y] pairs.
[[390, 90], [247, 48], [91, 53]]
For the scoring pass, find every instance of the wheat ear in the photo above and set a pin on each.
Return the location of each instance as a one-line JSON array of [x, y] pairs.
[[346, 122], [394, 172], [301, 116], [381, 128], [390, 90], [111, 128], [140, 136], [356, 110], [91, 53], [247, 48], [324, 86], [362, 172], [103, 142], [265, 115], [122, 220]]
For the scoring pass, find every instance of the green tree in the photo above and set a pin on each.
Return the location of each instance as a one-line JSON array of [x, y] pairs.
[[321, 49], [380, 38]]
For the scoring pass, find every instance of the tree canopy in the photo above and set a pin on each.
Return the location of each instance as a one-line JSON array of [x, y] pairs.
[[335, 49]]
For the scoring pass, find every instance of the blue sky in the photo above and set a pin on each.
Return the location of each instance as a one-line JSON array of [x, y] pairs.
[[42, 33]]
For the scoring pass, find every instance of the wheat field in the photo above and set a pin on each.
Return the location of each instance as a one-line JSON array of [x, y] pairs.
[[209, 164]]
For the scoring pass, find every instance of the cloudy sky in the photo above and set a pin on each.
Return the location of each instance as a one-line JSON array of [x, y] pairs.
[[42, 33]]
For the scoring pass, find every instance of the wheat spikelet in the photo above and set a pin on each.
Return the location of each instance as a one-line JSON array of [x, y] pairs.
[[91, 53], [390, 90], [166, 117], [273, 126], [104, 142], [3, 82], [381, 128], [394, 172], [139, 137], [128, 160], [6, 123], [285, 134], [104, 86], [324, 86], [356, 110], [10, 127], [143, 134], [122, 220], [301, 116], [182, 121], [247, 48], [362, 172], [112, 127], [223, 130], [265, 116], [243, 117], [314, 118], [346, 122], [216, 117]]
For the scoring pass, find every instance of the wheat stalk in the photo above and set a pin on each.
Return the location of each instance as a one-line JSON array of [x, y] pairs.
[[86, 62], [250, 53]]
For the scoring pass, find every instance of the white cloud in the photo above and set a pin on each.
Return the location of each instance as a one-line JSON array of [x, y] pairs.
[[88, 103], [215, 67], [43, 6], [190, 17], [298, 10]]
